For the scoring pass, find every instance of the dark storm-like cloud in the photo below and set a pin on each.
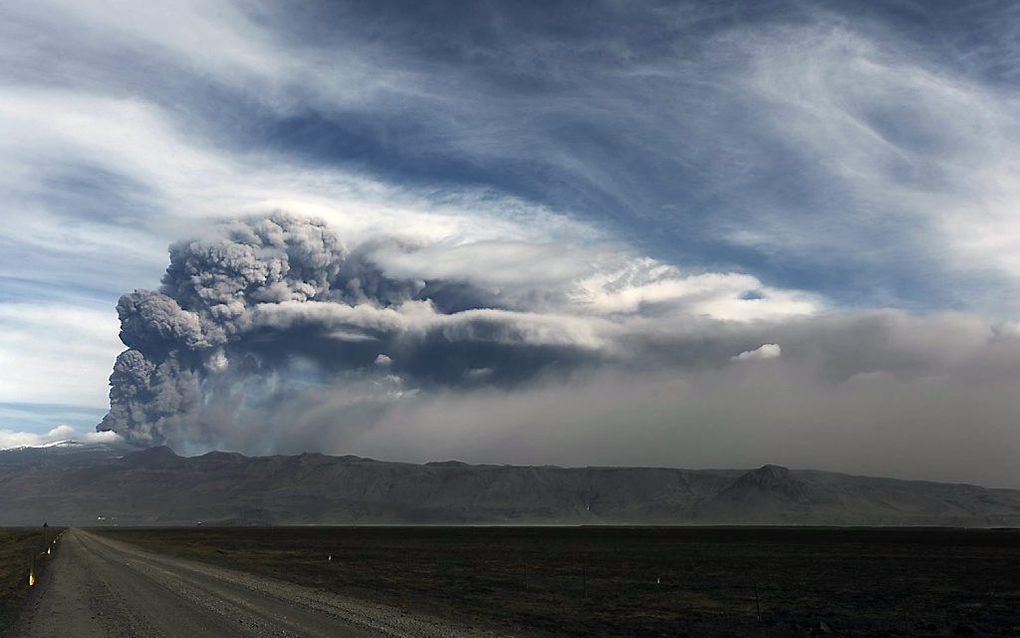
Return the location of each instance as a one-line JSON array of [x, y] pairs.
[[273, 303], [878, 392], [274, 335], [473, 161]]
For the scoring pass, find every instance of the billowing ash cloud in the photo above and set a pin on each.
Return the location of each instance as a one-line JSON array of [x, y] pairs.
[[277, 310], [274, 305], [243, 304], [273, 335]]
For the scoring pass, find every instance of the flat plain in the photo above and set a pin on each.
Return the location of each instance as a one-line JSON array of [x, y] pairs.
[[642, 581]]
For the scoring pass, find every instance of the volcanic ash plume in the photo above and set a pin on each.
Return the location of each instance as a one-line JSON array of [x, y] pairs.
[[272, 323], [275, 308]]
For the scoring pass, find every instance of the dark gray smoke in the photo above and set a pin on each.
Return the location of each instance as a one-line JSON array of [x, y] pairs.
[[271, 336], [274, 307]]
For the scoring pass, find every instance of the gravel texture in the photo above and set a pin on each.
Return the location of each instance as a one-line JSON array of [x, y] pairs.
[[99, 587]]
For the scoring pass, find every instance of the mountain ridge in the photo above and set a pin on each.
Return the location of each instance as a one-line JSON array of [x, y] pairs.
[[97, 484]]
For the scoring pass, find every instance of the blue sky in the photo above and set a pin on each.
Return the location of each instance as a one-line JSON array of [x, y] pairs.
[[841, 158]]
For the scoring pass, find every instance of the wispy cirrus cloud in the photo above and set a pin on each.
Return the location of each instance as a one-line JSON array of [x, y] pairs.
[[846, 154]]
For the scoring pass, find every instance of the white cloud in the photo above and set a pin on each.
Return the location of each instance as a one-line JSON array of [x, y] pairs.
[[59, 434], [99, 437], [896, 142], [639, 283], [56, 353], [888, 134], [765, 351], [11, 439]]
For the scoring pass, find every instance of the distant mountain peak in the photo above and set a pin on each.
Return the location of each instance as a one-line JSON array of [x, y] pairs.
[[771, 473], [160, 451], [152, 456], [771, 481], [219, 455]]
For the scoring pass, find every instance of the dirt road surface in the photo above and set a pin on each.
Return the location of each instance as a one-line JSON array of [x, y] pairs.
[[98, 588]]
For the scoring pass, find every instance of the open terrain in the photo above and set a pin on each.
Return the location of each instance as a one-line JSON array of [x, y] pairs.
[[102, 588], [21, 551], [598, 581]]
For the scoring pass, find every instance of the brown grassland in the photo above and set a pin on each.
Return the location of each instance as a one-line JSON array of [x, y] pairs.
[[20, 549]]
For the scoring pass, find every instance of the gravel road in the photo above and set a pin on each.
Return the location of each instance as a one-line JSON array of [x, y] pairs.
[[97, 587]]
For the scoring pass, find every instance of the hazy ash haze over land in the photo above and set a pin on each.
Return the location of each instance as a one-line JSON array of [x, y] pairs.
[[684, 234]]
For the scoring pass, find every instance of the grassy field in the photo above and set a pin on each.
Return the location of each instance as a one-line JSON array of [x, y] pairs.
[[17, 548], [645, 581]]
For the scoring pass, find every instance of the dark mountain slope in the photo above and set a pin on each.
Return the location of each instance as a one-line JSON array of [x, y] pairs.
[[104, 485]]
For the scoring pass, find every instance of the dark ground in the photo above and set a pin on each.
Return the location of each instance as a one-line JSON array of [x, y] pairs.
[[645, 581], [17, 548]]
